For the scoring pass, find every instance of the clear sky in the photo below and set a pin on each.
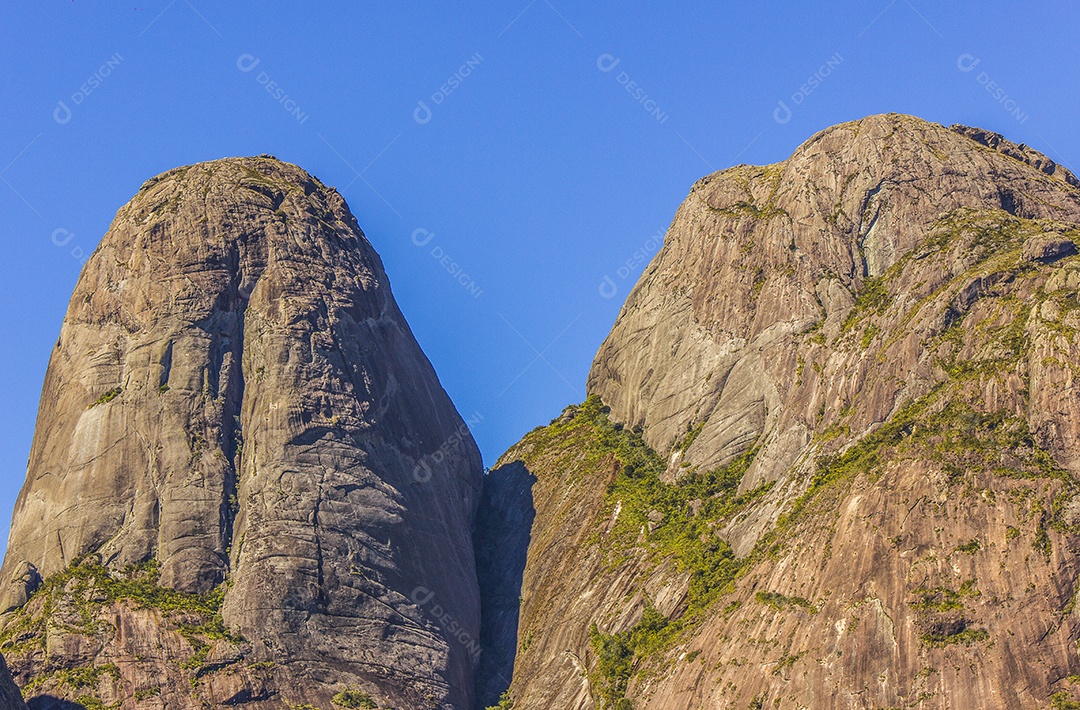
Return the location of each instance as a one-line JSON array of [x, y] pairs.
[[542, 146]]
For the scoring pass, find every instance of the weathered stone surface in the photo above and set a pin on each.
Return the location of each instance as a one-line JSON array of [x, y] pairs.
[[1020, 152], [886, 323], [235, 394], [10, 698], [705, 338]]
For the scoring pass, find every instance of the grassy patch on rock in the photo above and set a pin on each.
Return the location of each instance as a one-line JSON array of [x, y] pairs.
[[670, 523], [78, 600]]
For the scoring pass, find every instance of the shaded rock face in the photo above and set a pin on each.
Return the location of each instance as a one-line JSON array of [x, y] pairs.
[[10, 698], [875, 345], [503, 539], [235, 395]]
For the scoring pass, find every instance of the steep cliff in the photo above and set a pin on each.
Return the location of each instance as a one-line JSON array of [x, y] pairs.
[[10, 698], [831, 450], [246, 486]]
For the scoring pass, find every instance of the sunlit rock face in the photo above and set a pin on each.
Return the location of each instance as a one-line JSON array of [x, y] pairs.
[[235, 406], [856, 373]]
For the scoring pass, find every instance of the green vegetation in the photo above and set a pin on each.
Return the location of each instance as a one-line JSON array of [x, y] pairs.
[[354, 699], [616, 655], [256, 176], [868, 336], [679, 521], [692, 432], [946, 431], [1062, 701], [75, 678], [872, 299], [505, 702], [984, 233], [780, 602], [786, 662], [1041, 543], [89, 702], [1003, 347], [969, 548], [687, 538], [966, 637], [107, 397], [745, 175], [864, 457], [527, 640], [82, 593], [196, 660], [942, 599]]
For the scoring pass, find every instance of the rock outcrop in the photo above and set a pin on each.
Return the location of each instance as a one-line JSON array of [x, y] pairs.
[[756, 255], [242, 457], [831, 452], [10, 698]]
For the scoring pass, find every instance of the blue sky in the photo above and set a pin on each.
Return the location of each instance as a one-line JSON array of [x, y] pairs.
[[541, 146]]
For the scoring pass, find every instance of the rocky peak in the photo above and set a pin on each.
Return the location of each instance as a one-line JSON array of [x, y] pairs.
[[831, 452], [756, 255], [1021, 152], [235, 396]]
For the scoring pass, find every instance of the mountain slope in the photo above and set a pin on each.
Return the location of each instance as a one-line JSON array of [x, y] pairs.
[[839, 464], [242, 456]]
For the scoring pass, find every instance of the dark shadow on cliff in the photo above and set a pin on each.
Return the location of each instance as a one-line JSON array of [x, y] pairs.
[[48, 702], [503, 531]]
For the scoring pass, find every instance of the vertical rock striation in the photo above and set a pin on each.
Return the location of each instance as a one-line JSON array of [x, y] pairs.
[[235, 397], [831, 454]]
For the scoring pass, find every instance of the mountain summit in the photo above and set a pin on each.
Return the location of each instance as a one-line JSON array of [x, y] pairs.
[[831, 449], [247, 486]]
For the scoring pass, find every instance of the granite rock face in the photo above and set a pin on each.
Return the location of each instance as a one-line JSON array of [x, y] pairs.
[[755, 255], [856, 369], [10, 698], [235, 397]]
